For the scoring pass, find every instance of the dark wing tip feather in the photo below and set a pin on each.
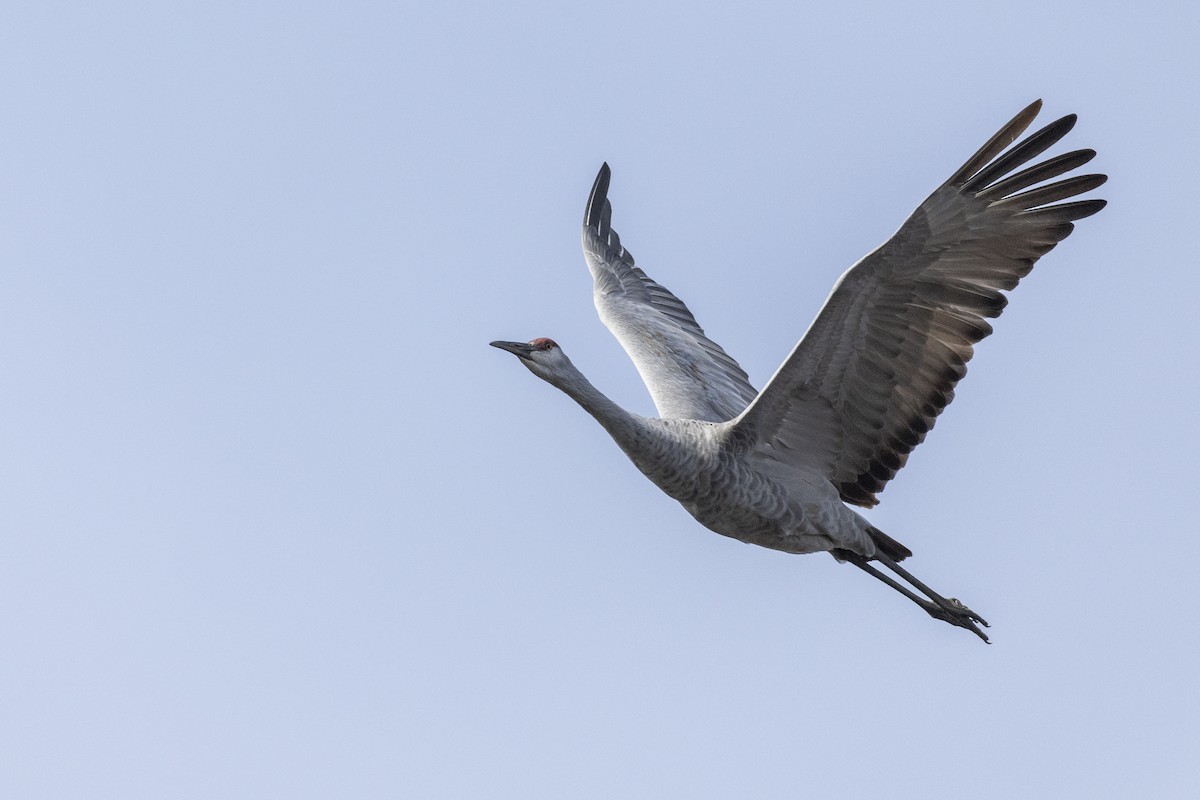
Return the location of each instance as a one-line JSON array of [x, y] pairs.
[[598, 197], [1053, 192], [1051, 168], [1033, 146], [1066, 212], [1002, 139], [597, 218]]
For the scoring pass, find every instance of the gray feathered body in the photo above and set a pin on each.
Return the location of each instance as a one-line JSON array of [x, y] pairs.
[[731, 489]]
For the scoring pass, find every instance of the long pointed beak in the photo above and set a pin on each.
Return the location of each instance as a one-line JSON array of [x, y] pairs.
[[518, 349]]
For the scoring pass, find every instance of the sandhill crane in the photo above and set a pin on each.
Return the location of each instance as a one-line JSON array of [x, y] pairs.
[[864, 385]]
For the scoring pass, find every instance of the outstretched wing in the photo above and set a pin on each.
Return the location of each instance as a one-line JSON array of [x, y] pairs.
[[867, 381], [688, 375]]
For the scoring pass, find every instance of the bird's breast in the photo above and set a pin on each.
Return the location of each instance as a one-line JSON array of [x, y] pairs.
[[717, 487], [723, 490]]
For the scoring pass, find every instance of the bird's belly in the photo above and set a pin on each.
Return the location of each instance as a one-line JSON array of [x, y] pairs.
[[731, 497], [752, 527], [758, 512]]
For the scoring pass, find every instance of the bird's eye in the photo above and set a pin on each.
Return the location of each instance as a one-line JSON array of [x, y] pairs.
[[543, 344]]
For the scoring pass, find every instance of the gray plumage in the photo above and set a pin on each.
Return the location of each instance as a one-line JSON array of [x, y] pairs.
[[861, 389]]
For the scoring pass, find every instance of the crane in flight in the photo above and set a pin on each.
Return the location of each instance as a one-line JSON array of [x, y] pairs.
[[863, 387]]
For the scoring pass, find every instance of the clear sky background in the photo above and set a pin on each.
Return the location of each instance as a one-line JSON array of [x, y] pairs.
[[275, 521]]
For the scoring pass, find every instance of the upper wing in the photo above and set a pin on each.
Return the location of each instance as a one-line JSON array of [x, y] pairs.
[[865, 384], [688, 375]]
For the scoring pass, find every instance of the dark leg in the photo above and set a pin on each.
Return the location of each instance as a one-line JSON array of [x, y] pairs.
[[953, 605], [946, 609]]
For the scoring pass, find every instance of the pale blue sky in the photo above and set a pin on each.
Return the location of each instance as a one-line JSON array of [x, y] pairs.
[[276, 522]]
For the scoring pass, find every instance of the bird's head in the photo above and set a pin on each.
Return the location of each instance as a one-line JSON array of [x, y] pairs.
[[543, 357]]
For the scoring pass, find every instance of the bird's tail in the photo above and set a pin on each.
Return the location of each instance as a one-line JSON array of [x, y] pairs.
[[887, 545]]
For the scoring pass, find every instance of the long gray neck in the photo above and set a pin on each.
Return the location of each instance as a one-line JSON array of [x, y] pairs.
[[620, 424]]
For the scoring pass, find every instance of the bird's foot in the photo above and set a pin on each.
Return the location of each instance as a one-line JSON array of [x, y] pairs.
[[952, 610]]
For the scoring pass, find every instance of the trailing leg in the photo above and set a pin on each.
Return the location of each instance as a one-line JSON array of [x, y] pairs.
[[948, 610]]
